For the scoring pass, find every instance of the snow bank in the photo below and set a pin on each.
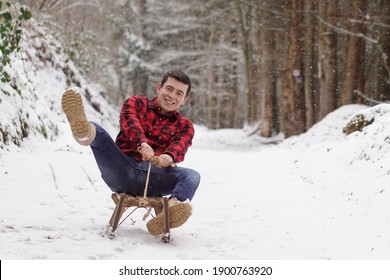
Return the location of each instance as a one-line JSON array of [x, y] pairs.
[[31, 102]]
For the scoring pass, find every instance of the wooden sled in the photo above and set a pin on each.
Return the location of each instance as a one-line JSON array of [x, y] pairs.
[[124, 201]]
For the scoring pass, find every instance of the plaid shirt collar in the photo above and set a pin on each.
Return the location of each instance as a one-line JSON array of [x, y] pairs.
[[153, 105]]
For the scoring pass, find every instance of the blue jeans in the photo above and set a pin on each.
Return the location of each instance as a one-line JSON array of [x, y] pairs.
[[124, 174]]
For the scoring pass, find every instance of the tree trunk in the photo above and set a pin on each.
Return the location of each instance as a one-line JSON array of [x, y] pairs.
[[383, 68], [293, 97], [354, 61], [210, 94], [266, 47], [245, 22], [308, 79], [327, 53]]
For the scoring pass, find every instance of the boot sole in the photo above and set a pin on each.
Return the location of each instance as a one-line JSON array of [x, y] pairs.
[[72, 104], [178, 215]]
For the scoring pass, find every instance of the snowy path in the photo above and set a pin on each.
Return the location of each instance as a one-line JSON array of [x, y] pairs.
[[254, 203]]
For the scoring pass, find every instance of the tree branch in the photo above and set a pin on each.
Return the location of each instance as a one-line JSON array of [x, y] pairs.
[[358, 92], [344, 31]]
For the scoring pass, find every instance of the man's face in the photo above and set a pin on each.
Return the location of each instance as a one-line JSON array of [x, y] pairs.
[[171, 95]]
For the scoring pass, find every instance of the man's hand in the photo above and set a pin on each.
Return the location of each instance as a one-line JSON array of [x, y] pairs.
[[164, 160], [146, 151]]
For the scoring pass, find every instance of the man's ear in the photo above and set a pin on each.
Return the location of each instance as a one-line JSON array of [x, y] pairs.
[[185, 100], [158, 87]]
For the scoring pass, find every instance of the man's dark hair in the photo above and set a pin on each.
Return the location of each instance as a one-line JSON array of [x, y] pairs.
[[180, 76]]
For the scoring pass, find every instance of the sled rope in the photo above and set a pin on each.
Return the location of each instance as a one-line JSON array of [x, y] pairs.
[[144, 201]]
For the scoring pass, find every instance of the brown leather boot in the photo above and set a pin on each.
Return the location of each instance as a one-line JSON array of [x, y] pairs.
[[83, 131], [179, 212]]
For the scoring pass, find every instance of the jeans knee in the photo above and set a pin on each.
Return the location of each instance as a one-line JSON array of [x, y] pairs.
[[195, 177]]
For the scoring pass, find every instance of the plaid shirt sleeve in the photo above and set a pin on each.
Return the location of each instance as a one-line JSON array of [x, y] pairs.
[[130, 123], [181, 141]]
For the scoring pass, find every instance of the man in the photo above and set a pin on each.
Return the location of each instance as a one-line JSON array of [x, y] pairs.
[[149, 130]]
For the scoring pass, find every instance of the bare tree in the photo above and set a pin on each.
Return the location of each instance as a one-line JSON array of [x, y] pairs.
[[309, 62], [245, 15], [327, 56], [293, 97], [354, 58], [378, 51], [266, 45]]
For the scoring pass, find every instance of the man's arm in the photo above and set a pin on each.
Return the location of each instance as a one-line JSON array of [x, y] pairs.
[[129, 120], [181, 142]]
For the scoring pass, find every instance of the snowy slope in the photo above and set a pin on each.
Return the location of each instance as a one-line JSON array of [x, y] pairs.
[[320, 195], [41, 72]]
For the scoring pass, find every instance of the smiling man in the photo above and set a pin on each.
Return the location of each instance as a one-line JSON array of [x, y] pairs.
[[149, 129]]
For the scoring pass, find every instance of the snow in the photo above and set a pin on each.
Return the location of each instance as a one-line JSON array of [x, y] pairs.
[[294, 200], [321, 195]]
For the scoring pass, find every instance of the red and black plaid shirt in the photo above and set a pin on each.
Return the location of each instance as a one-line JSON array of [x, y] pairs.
[[141, 121]]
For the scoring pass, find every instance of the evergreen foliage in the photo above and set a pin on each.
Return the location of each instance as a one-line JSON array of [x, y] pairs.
[[10, 33]]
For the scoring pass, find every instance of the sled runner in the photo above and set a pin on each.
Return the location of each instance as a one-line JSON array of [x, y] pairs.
[[124, 201]]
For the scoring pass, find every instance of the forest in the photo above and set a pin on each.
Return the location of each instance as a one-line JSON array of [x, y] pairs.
[[280, 65]]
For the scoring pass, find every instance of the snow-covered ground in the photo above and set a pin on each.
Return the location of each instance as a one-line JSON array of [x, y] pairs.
[[318, 196]]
